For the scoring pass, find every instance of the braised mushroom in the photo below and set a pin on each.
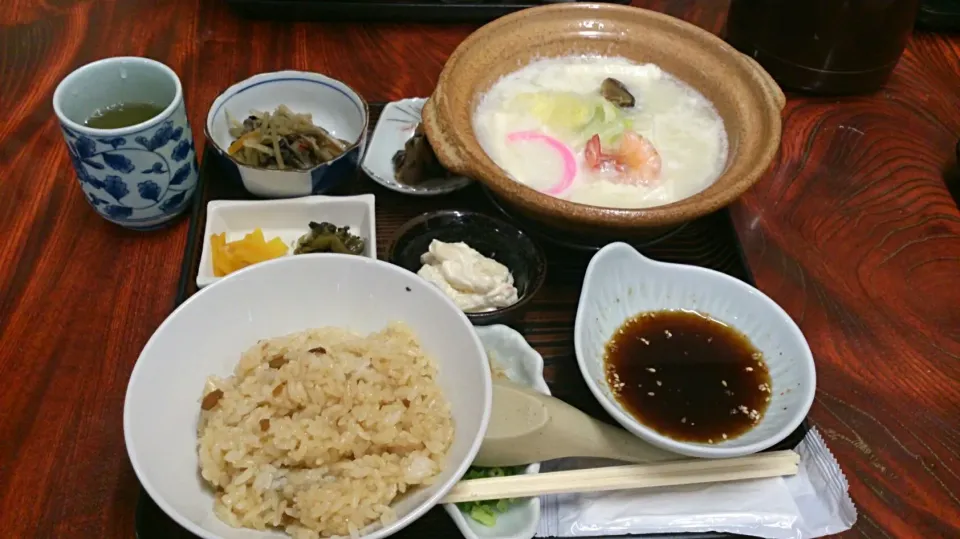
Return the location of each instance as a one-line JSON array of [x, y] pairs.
[[416, 162], [283, 140], [616, 92]]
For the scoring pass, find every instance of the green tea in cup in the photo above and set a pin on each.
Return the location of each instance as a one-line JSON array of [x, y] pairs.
[[126, 131], [122, 115]]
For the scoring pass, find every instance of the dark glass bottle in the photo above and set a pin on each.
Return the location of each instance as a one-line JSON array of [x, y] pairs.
[[823, 46]]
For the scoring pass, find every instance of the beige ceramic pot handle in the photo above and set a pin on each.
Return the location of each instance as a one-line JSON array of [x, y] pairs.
[[769, 85], [446, 151]]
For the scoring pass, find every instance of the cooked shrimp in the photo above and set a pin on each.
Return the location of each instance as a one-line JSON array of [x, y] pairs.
[[636, 160], [640, 157], [594, 155]]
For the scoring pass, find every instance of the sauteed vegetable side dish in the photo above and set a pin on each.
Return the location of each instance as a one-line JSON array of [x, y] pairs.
[[283, 140]]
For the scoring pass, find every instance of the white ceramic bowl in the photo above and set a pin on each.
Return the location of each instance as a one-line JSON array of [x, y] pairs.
[[335, 106], [396, 125], [287, 219], [621, 283], [509, 351], [206, 335]]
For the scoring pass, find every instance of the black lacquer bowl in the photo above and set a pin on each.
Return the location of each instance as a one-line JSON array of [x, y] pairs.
[[491, 237]]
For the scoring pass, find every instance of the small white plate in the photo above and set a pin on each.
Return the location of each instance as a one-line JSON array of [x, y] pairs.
[[396, 125], [511, 355], [287, 218]]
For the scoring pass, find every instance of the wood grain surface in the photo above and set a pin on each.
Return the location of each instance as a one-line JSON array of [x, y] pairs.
[[853, 231]]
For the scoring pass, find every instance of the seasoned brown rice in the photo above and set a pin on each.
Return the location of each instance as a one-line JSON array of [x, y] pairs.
[[318, 432]]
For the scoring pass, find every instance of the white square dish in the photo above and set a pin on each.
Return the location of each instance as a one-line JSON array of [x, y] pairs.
[[287, 219]]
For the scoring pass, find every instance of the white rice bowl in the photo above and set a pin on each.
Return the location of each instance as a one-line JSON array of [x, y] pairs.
[[330, 344]]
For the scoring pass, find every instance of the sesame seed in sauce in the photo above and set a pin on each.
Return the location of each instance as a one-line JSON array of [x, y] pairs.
[[659, 348]]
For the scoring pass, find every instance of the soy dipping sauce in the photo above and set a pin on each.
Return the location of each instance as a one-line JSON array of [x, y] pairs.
[[687, 376]]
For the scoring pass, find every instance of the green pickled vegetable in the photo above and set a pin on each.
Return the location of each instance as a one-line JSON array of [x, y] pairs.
[[329, 238], [485, 512]]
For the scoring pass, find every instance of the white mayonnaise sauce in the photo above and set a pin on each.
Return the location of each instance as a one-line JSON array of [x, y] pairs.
[[683, 126], [474, 282]]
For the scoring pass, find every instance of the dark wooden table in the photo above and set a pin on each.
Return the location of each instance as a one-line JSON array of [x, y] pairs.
[[853, 231]]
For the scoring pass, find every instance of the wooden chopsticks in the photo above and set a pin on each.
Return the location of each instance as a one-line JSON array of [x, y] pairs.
[[685, 472]]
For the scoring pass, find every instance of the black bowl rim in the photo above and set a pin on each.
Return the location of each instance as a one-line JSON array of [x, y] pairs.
[[485, 317]]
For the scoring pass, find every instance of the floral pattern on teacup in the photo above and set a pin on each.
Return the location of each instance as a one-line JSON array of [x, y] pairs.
[[140, 180]]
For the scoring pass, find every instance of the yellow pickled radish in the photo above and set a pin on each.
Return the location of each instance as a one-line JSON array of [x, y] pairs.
[[255, 237], [228, 257], [217, 242], [276, 247]]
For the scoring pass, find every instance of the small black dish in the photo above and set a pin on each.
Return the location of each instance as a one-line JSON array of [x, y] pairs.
[[491, 237]]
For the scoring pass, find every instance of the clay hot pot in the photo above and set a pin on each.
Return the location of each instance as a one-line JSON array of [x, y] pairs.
[[747, 98]]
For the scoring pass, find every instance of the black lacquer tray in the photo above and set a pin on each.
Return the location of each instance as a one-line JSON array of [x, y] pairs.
[[428, 11], [708, 242]]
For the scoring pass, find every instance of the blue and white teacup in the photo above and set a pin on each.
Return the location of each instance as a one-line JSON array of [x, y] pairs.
[[332, 104], [142, 176]]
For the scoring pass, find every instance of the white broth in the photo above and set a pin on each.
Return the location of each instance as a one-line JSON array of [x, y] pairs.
[[544, 124]]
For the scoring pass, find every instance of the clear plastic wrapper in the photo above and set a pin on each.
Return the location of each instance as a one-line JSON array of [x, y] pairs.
[[813, 503]]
